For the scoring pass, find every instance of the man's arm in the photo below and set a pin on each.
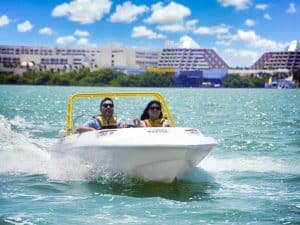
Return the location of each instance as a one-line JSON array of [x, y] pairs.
[[89, 126], [82, 129]]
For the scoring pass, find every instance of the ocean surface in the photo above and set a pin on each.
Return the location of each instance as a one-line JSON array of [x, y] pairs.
[[251, 177]]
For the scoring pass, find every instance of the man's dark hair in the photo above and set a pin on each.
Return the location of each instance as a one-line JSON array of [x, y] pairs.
[[105, 99]]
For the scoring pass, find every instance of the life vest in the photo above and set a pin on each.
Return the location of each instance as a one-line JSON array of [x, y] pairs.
[[154, 123], [107, 124]]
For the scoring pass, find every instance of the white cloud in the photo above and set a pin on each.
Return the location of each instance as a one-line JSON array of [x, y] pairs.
[[237, 4], [83, 11], [25, 27], [249, 22], [223, 43], [65, 40], [177, 27], [171, 27], [267, 16], [292, 8], [187, 42], [81, 33], [243, 53], [4, 20], [191, 24], [171, 17], [142, 31], [173, 13], [127, 12], [215, 30], [261, 6], [46, 31], [251, 39], [240, 57], [84, 42]]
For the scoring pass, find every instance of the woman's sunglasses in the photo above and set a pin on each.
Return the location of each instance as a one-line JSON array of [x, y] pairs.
[[106, 105], [154, 107]]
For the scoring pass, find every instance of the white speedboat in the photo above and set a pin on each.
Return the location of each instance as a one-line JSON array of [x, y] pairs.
[[153, 154]]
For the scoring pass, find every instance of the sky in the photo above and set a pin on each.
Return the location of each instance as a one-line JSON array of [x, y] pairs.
[[240, 31]]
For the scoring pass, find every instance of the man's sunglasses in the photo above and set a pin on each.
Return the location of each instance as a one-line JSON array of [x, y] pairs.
[[154, 107], [106, 105]]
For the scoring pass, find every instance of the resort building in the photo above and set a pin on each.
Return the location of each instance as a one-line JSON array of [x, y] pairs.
[[193, 65], [189, 66], [288, 59], [18, 59], [193, 59], [131, 60]]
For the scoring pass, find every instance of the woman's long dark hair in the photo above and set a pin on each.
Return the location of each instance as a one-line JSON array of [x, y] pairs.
[[145, 114]]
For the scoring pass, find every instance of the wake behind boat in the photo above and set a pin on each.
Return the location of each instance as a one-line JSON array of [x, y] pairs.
[[153, 154]]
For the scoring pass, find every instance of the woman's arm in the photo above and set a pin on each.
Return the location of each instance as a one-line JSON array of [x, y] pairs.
[[166, 123], [138, 123]]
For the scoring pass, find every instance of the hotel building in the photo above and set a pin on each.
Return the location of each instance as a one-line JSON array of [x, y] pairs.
[[193, 65], [191, 59], [288, 59], [19, 58]]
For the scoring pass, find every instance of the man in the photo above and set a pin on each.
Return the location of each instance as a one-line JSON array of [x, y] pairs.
[[106, 120]]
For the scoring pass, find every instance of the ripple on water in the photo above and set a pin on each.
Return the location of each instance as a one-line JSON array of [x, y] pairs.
[[251, 177]]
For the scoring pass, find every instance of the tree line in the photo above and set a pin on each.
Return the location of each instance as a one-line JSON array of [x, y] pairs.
[[85, 77], [254, 81], [113, 78], [237, 81]]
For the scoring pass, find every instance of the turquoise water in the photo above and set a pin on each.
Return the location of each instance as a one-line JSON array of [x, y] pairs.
[[251, 177]]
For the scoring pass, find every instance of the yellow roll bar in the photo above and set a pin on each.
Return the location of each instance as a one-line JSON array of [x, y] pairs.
[[165, 108]]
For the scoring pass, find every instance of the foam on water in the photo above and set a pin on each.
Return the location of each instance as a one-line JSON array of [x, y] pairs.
[[18, 154], [251, 177], [20, 219], [250, 164]]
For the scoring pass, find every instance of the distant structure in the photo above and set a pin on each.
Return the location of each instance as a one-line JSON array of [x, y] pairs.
[[169, 44], [18, 59], [190, 65], [288, 59], [193, 65], [191, 59], [294, 46]]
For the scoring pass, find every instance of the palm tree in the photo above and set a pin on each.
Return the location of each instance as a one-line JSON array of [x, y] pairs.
[[296, 76]]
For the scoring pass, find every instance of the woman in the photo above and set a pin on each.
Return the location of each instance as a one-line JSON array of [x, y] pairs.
[[152, 116]]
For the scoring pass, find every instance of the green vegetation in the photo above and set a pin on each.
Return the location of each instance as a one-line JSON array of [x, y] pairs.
[[85, 77], [253, 81], [237, 81], [296, 75], [112, 78]]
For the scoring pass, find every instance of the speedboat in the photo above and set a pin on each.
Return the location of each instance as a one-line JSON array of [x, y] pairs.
[[152, 154]]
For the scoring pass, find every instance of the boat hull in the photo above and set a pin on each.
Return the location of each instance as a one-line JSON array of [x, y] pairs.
[[152, 154]]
